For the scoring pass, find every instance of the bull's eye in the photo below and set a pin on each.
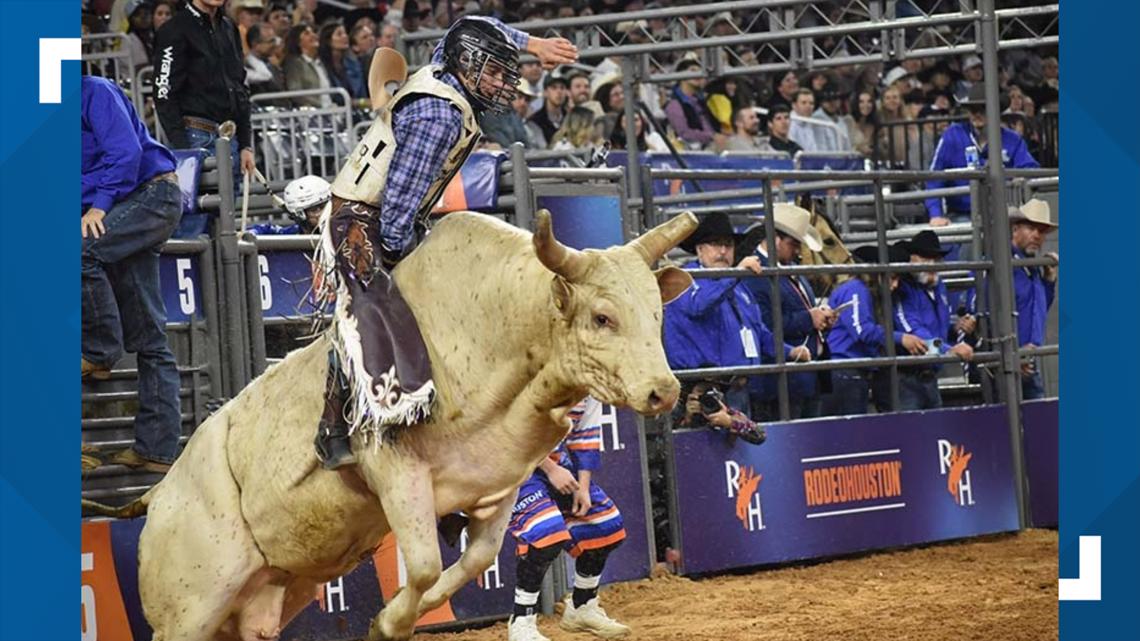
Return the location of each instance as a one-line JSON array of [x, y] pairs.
[[601, 320], [829, 242]]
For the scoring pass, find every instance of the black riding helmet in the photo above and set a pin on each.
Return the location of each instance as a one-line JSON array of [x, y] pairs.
[[485, 61]]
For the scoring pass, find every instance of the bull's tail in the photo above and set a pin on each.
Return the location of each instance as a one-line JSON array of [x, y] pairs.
[[131, 510]]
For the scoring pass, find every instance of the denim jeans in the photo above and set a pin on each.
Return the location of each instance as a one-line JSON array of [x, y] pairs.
[[919, 391], [1032, 387], [205, 140], [850, 389], [123, 309]]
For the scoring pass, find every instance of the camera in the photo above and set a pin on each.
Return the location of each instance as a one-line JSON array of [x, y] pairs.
[[933, 346], [711, 401]]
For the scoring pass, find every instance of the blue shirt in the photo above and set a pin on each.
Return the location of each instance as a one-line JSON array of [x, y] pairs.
[[796, 300], [857, 333], [951, 154], [1034, 297], [703, 325], [118, 152], [425, 128]]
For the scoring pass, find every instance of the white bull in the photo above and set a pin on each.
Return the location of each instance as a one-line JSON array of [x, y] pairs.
[[246, 525]]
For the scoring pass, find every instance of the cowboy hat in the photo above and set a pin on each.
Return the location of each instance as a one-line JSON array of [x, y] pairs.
[[926, 244], [713, 226], [976, 96], [796, 222], [1035, 211], [870, 254]]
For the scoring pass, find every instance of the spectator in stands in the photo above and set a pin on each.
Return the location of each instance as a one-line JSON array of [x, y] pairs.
[[971, 76], [131, 205], [577, 131], [716, 322], [864, 120], [646, 140], [923, 309], [898, 79], [964, 144], [505, 129], [278, 19], [858, 333], [725, 96], [163, 12], [303, 66], [893, 137], [549, 118], [830, 111], [363, 45], [303, 12], [305, 200], [532, 75], [787, 86], [200, 81], [343, 68], [689, 115], [779, 125], [746, 136], [140, 34], [388, 34], [261, 73], [805, 322], [811, 134], [938, 78], [611, 97], [579, 87], [246, 13]]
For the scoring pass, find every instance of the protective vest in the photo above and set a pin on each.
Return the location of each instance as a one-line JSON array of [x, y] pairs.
[[365, 173]]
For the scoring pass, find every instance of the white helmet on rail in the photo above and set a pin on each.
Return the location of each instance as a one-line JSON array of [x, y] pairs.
[[304, 195]]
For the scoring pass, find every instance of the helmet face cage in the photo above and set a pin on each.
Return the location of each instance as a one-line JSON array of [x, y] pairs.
[[489, 69]]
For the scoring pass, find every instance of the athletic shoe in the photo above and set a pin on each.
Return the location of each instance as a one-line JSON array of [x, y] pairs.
[[524, 629], [593, 619]]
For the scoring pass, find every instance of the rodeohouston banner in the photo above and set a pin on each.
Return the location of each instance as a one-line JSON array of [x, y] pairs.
[[344, 608], [831, 487]]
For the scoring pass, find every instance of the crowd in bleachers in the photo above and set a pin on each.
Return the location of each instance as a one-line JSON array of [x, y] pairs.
[[303, 44]]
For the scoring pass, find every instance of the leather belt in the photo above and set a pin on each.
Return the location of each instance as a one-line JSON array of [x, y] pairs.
[[201, 124]]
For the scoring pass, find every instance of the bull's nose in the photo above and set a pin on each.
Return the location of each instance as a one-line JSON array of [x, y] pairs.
[[662, 399]]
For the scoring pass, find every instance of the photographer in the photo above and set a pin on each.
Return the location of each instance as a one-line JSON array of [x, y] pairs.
[[705, 407]]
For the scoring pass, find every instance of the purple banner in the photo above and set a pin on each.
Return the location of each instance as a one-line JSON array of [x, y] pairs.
[[1040, 422], [285, 280], [706, 161], [831, 487]]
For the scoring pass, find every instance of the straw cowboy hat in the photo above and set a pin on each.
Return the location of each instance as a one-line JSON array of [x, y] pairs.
[[1035, 211], [796, 222]]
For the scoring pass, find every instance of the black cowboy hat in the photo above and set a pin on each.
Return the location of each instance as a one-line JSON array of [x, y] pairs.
[[976, 96], [870, 254], [926, 244], [714, 225]]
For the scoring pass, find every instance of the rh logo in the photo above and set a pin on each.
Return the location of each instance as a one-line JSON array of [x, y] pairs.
[[743, 484], [953, 461], [609, 424]]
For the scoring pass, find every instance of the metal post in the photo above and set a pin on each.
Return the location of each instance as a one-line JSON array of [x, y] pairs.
[[1003, 271], [777, 307], [524, 200], [233, 351], [253, 307], [633, 154], [210, 298], [885, 289]]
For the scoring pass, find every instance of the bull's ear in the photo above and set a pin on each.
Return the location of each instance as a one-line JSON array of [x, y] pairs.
[[562, 295], [672, 282]]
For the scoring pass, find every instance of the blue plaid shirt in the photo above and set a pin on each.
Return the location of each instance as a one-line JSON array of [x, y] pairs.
[[425, 129]]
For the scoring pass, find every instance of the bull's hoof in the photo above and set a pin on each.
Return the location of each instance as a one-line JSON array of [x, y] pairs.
[[377, 632]]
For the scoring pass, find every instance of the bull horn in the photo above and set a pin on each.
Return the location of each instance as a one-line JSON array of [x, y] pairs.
[[562, 260], [653, 244]]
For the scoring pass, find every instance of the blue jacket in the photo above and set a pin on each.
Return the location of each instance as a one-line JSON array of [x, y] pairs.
[[703, 326], [1034, 298], [858, 333], [798, 328], [269, 229], [118, 152], [951, 154], [923, 312]]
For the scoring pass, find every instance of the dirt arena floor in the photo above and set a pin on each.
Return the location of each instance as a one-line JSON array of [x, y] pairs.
[[999, 588]]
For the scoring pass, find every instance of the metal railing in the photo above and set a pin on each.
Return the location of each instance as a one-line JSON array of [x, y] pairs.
[[306, 140], [107, 55]]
